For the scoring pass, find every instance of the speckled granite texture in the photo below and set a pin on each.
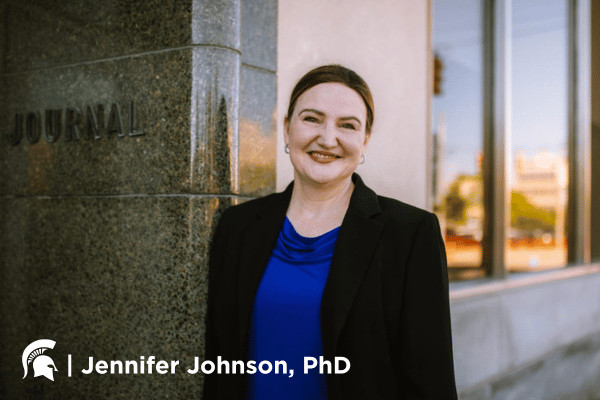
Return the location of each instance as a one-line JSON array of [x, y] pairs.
[[66, 32], [157, 162], [113, 278], [104, 240], [259, 45]]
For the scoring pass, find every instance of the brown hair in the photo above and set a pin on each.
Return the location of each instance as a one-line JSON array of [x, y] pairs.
[[334, 73]]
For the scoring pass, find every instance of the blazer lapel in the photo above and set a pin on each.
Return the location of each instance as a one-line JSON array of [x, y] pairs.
[[356, 242], [257, 245]]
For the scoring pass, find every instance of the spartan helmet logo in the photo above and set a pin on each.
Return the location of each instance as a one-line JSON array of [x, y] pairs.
[[42, 365]]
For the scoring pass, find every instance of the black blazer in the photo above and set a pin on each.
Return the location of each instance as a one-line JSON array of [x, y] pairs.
[[385, 305]]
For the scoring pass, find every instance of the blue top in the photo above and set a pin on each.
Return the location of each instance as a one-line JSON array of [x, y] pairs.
[[286, 316]]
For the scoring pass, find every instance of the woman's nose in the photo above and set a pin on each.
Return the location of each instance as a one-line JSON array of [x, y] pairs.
[[327, 136]]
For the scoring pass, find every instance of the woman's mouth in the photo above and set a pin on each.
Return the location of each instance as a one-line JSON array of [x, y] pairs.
[[322, 157]]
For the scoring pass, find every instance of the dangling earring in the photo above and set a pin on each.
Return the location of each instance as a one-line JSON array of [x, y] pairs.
[[362, 159], [286, 148]]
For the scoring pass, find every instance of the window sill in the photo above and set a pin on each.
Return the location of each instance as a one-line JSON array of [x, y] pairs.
[[489, 287]]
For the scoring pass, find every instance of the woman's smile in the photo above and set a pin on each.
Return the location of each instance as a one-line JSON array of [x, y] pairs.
[[323, 157]]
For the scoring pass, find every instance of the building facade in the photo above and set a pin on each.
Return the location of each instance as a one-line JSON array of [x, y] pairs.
[[127, 127]]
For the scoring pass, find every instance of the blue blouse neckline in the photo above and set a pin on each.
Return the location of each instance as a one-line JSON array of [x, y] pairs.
[[295, 247]]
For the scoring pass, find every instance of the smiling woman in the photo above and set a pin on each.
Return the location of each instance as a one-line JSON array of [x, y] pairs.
[[329, 270], [328, 127], [326, 139]]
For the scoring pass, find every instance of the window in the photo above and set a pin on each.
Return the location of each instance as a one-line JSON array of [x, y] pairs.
[[538, 169], [457, 190], [511, 134]]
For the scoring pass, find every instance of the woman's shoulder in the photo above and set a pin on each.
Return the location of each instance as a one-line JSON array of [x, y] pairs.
[[403, 215], [395, 215]]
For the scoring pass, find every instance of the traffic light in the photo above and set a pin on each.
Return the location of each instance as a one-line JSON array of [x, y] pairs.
[[438, 65]]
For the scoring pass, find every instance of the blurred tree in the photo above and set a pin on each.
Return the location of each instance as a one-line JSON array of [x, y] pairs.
[[464, 193], [456, 206], [527, 217]]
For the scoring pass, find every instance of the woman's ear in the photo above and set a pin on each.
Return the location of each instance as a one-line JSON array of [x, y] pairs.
[[367, 138], [286, 129]]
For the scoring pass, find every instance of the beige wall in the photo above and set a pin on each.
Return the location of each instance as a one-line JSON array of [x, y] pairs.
[[386, 42]]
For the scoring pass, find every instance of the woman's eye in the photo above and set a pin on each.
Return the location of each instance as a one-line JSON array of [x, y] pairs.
[[310, 119], [348, 126]]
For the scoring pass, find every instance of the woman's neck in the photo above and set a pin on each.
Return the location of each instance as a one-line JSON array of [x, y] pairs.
[[317, 209]]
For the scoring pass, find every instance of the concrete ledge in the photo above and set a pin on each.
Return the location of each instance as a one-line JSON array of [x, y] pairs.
[[517, 281], [500, 326], [571, 372]]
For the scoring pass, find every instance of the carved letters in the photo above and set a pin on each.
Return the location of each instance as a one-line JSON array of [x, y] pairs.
[[76, 126]]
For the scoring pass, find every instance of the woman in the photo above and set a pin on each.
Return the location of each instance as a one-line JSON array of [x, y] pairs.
[[329, 269]]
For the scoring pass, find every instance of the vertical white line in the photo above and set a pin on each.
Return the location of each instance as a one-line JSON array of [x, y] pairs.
[[194, 94], [193, 115], [69, 367], [429, 165], [583, 122]]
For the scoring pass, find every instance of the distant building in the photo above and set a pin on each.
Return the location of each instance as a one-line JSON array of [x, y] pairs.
[[543, 180]]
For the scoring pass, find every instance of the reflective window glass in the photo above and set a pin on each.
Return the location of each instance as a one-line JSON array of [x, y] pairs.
[[456, 125], [538, 168]]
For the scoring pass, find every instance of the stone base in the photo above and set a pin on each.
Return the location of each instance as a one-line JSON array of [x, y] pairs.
[[572, 372]]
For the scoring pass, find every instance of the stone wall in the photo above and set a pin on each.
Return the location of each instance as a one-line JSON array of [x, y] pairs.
[[126, 127], [533, 337]]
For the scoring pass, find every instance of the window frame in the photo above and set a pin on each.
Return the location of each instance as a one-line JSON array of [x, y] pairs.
[[497, 98]]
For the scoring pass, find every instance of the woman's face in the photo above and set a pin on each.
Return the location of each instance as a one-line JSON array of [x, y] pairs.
[[326, 134]]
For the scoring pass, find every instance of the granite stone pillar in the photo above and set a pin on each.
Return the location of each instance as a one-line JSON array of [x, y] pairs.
[[126, 127]]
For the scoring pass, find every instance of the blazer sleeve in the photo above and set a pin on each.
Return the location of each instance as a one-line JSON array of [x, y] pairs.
[[211, 343], [425, 344]]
